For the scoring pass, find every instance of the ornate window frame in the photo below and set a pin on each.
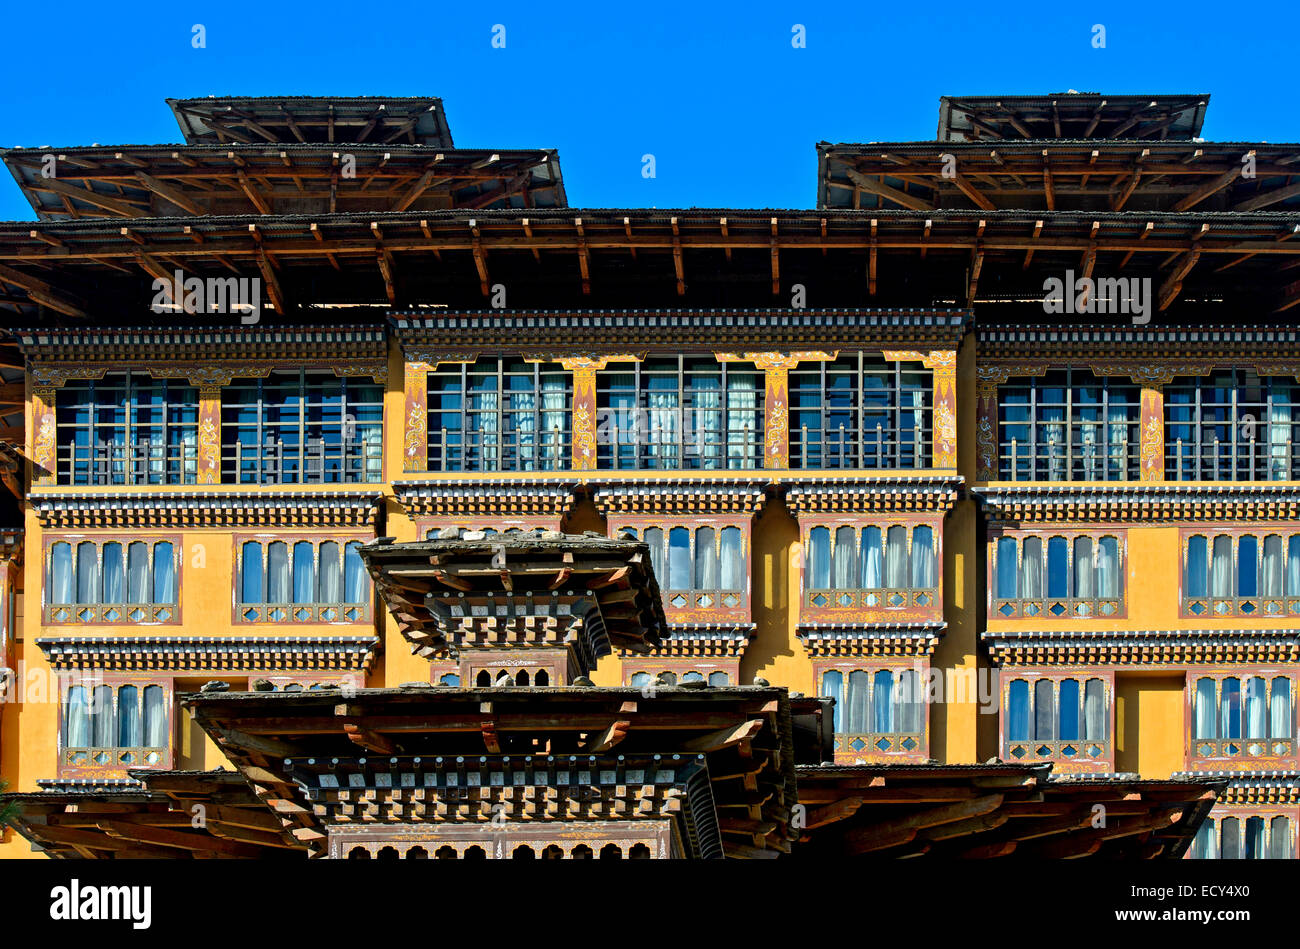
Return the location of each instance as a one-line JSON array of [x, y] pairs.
[[1223, 753], [318, 613], [1258, 606], [100, 614], [1044, 608], [1072, 755], [88, 768], [868, 745]]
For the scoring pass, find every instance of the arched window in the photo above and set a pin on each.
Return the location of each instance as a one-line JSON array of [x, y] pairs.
[[88, 588], [1230, 708], [1272, 567], [450, 679], [1205, 725], [1058, 568], [277, 572], [304, 573], [355, 580], [155, 717], [640, 679], [693, 676], [1248, 565], [1031, 568], [1108, 575], [1256, 708], [654, 539], [1094, 710], [1221, 567], [718, 679], [541, 678], [1067, 722], [128, 717], [330, 587], [250, 573], [1084, 569], [115, 573], [1279, 839]]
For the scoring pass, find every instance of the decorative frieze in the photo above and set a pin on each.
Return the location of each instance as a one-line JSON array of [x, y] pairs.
[[1146, 503], [1142, 647], [920, 494], [879, 640], [66, 510], [242, 654]]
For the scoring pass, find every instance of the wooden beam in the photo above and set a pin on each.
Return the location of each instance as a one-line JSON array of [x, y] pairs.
[[42, 292], [608, 738], [724, 737], [880, 189], [1211, 187], [1264, 199], [113, 205], [1174, 282], [173, 194]]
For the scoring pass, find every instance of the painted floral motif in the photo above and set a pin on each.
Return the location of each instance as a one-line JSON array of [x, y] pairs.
[[416, 434], [209, 450], [945, 428]]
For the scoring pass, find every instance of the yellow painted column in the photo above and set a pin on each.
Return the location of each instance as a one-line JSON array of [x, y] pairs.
[[415, 439], [1153, 432], [42, 434], [584, 409], [209, 434]]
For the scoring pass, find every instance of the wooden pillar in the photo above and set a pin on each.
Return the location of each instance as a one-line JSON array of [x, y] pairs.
[[1152, 433], [943, 363], [583, 416], [776, 413], [415, 439], [209, 434]]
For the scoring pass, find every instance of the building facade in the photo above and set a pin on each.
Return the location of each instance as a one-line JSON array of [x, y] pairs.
[[988, 518]]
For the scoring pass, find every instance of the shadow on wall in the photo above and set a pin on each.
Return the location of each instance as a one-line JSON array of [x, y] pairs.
[[774, 652]]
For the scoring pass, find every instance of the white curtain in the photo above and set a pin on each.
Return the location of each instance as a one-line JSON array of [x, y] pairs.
[[1084, 570], [1108, 568], [1118, 443], [554, 398], [250, 573], [1280, 709], [654, 538], [662, 396], [1205, 709], [331, 580], [277, 572], [522, 403], [1272, 566], [164, 573], [101, 717], [1293, 565], [679, 559], [76, 727], [61, 572], [1256, 708], [1031, 567], [817, 568], [155, 717], [354, 574], [1094, 710], [909, 703], [871, 560], [706, 437], [190, 455], [128, 717], [88, 589], [114, 572], [304, 573], [483, 435], [1279, 431], [733, 560], [882, 703], [1197, 568], [1044, 710], [1221, 567], [844, 559], [923, 559], [1007, 576], [832, 687], [137, 563], [1279, 831], [706, 560], [744, 430], [857, 702], [896, 558]]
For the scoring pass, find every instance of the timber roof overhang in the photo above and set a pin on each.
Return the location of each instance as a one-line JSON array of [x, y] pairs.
[[211, 654], [995, 809], [473, 497], [135, 345], [1141, 647], [152, 814], [125, 182], [834, 495], [614, 258], [614, 331], [1164, 350], [1253, 788], [324, 119], [1071, 115], [1190, 177], [1139, 503], [524, 589], [203, 507], [421, 731]]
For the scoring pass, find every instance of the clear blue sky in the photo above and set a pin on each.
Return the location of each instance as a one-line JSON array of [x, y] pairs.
[[729, 109]]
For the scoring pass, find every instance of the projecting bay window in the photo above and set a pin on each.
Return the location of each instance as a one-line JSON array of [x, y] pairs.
[[860, 411], [301, 581], [877, 711], [499, 415], [701, 568], [870, 567], [1237, 574], [127, 428], [302, 426], [1058, 576], [1065, 719], [115, 726], [1243, 717], [1069, 425], [1253, 837], [113, 581], [1233, 425], [680, 412]]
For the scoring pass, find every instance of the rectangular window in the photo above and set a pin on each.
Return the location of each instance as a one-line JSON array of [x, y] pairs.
[[1057, 718], [872, 566], [301, 580], [861, 411], [113, 726], [697, 568], [1069, 425], [305, 426], [1243, 717], [504, 414], [1057, 576], [127, 428], [112, 581], [1232, 425], [1244, 836], [1238, 573], [877, 713], [680, 412]]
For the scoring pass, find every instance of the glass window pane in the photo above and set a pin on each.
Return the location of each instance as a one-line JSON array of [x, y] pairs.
[[1031, 568], [871, 560], [138, 568], [819, 559], [896, 572], [1044, 710], [76, 722], [101, 717], [1280, 709], [1256, 708], [277, 572], [1108, 576], [832, 685], [679, 559], [923, 560], [1008, 571], [706, 560], [844, 559], [355, 579], [1084, 569], [1018, 710], [250, 573], [733, 560], [1195, 578], [1221, 567], [1068, 711], [164, 573], [304, 572], [882, 703], [718, 679], [88, 589], [1248, 565], [1230, 708], [128, 717], [1279, 839], [331, 573], [654, 539], [61, 573], [1206, 720], [1230, 841], [1058, 568], [1094, 710], [114, 573], [857, 702], [155, 717]]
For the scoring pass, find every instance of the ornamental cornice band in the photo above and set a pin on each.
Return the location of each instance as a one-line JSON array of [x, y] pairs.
[[879, 640], [1141, 502], [1256, 788], [1142, 647], [699, 640], [1214, 343], [867, 496], [176, 509], [592, 332], [354, 654], [485, 498], [139, 344], [679, 498]]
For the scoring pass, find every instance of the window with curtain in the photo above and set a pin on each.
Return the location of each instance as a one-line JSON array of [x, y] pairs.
[[861, 411], [301, 426], [870, 566], [127, 428], [1066, 575], [876, 710], [1243, 716], [116, 726], [1065, 718], [1244, 837], [701, 567], [301, 581], [680, 412], [1241, 574], [1069, 425], [499, 414], [1231, 425], [111, 581]]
